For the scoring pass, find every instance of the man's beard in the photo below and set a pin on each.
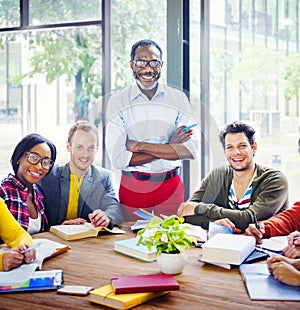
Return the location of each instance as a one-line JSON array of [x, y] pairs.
[[142, 86], [246, 167]]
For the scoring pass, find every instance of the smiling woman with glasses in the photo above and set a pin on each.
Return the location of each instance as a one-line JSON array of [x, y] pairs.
[[35, 158], [32, 159]]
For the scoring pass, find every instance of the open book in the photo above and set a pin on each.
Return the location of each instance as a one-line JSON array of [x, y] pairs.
[[274, 244], [48, 249], [18, 276], [86, 230]]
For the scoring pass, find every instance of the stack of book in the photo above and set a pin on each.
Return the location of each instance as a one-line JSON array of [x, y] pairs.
[[125, 292]]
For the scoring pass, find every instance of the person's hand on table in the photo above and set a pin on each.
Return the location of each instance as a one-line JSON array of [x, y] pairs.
[[77, 221], [283, 270], [99, 218], [294, 238], [186, 208]]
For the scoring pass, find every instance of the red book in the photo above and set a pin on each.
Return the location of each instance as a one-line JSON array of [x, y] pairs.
[[144, 283]]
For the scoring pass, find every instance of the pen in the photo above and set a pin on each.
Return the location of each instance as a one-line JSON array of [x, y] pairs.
[[31, 247], [255, 221], [188, 127]]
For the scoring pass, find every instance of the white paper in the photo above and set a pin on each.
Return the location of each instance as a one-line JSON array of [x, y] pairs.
[[18, 275]]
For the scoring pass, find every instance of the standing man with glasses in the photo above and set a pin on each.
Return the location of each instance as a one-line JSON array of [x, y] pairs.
[[32, 160], [78, 191], [147, 136]]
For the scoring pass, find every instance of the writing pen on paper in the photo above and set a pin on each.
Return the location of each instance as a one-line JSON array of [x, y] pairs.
[[189, 127], [255, 221], [295, 239], [31, 247]]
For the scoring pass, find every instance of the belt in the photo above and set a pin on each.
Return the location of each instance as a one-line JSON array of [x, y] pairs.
[[152, 177]]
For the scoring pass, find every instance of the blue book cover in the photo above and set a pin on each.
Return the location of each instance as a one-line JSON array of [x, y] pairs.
[[145, 214], [129, 247], [40, 280], [261, 285]]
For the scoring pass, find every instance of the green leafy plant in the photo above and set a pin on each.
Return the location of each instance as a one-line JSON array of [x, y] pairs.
[[167, 236]]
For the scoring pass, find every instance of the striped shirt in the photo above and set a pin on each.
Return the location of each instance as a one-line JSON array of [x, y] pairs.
[[245, 201]]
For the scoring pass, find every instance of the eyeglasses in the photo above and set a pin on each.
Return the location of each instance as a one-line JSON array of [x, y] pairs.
[[34, 159], [145, 63]]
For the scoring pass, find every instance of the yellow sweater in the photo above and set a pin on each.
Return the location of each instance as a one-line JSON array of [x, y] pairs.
[[10, 230]]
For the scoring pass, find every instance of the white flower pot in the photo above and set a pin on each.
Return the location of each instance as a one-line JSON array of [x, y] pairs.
[[171, 263]]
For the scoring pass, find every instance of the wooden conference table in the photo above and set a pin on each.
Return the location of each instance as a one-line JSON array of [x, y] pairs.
[[93, 262]]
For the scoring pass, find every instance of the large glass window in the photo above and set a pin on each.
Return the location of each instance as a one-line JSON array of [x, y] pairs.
[[63, 11], [254, 76], [132, 21], [9, 13], [49, 79]]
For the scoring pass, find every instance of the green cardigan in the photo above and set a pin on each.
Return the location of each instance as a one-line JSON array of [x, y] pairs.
[[269, 196]]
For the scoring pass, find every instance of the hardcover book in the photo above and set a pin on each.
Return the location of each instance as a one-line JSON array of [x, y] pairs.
[[105, 296], [129, 247], [144, 283], [228, 249], [255, 256], [86, 230], [261, 285]]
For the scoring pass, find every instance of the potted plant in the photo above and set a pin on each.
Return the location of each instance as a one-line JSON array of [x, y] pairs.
[[169, 238]]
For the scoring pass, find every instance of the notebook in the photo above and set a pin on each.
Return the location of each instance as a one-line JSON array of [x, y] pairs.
[[261, 285], [40, 280]]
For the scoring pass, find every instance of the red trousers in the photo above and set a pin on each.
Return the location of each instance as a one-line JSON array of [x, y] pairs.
[[159, 197]]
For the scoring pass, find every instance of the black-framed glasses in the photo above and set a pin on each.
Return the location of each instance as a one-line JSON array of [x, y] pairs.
[[35, 158], [145, 63]]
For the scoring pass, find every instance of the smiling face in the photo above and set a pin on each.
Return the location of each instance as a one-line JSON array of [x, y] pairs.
[[82, 147], [147, 77], [239, 152], [29, 173]]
